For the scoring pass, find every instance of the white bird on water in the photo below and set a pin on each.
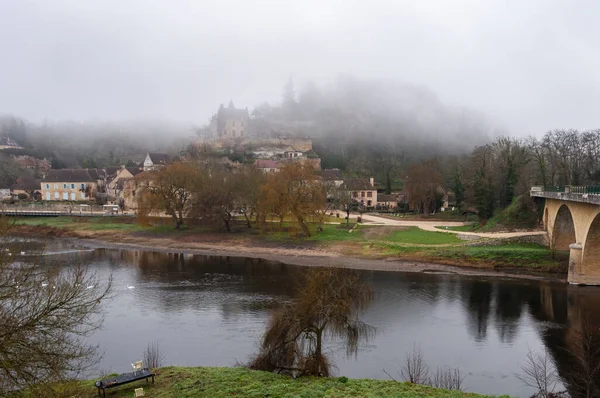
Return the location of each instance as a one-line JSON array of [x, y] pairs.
[[90, 287], [22, 253], [130, 286], [44, 284]]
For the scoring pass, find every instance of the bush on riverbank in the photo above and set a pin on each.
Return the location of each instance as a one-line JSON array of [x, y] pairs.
[[177, 382]]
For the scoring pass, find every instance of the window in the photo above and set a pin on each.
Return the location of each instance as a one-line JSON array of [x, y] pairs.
[[368, 203], [362, 194], [355, 194], [64, 186], [72, 186], [83, 195], [47, 186], [369, 194], [82, 186], [55, 186], [55, 195]]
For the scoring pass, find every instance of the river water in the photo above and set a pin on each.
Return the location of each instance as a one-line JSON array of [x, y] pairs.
[[211, 311]]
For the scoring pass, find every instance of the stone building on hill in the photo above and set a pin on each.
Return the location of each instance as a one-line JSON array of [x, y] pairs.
[[230, 122], [9, 143]]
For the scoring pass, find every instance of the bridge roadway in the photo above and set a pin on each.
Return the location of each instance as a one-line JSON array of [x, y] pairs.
[[572, 220]]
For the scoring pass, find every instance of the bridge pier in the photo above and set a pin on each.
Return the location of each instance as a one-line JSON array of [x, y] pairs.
[[576, 274], [572, 220]]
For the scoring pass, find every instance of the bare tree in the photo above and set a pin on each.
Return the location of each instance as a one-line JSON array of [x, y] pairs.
[[539, 372], [415, 369], [168, 190], [296, 190], [249, 182], [448, 378], [215, 193], [45, 315], [152, 356], [424, 182], [328, 302]]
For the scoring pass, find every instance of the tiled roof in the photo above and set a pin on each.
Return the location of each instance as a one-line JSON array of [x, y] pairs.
[[358, 184], [111, 172], [71, 175], [231, 112], [158, 158], [134, 170], [387, 198], [27, 185], [332, 174], [266, 164]]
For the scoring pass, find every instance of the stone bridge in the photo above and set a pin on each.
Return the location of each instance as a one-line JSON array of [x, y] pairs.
[[572, 219]]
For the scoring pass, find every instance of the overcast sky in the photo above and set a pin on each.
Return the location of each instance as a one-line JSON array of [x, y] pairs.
[[530, 65]]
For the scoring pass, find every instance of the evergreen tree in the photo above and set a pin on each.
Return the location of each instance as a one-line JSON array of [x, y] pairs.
[[289, 95]]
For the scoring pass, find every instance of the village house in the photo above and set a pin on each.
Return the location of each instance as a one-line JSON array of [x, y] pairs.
[[130, 190], [267, 166], [292, 154], [71, 184], [388, 201], [155, 161], [4, 193], [362, 190], [333, 176], [32, 163], [113, 188], [9, 143], [230, 122], [28, 188]]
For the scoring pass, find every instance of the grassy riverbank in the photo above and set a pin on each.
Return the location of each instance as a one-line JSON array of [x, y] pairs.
[[368, 242], [177, 382]]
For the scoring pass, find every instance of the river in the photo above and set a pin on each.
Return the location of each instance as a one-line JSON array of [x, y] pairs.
[[211, 311]]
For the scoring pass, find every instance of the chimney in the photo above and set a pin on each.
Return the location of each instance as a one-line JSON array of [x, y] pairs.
[[372, 181]]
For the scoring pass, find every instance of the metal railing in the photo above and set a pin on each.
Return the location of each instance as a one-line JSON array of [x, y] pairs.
[[576, 189], [586, 190]]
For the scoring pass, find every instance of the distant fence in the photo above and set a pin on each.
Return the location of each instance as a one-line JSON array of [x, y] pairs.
[[54, 210]]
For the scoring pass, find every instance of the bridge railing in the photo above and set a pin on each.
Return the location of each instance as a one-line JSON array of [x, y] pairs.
[[576, 189], [589, 189]]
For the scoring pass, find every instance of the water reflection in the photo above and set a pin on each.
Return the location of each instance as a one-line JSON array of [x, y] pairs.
[[212, 310]]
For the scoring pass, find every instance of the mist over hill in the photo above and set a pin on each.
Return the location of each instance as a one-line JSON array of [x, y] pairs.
[[355, 115], [107, 143]]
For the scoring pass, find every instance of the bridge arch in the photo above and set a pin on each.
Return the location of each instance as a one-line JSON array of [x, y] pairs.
[[563, 229], [591, 248]]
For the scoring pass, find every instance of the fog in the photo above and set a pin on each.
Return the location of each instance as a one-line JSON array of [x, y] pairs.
[[529, 66]]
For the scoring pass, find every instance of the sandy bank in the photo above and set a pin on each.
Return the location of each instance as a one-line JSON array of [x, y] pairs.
[[309, 257]]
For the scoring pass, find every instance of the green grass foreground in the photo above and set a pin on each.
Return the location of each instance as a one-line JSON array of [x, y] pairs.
[[177, 382]]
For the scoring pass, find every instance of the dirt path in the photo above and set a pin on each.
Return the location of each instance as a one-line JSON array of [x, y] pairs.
[[431, 226]]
